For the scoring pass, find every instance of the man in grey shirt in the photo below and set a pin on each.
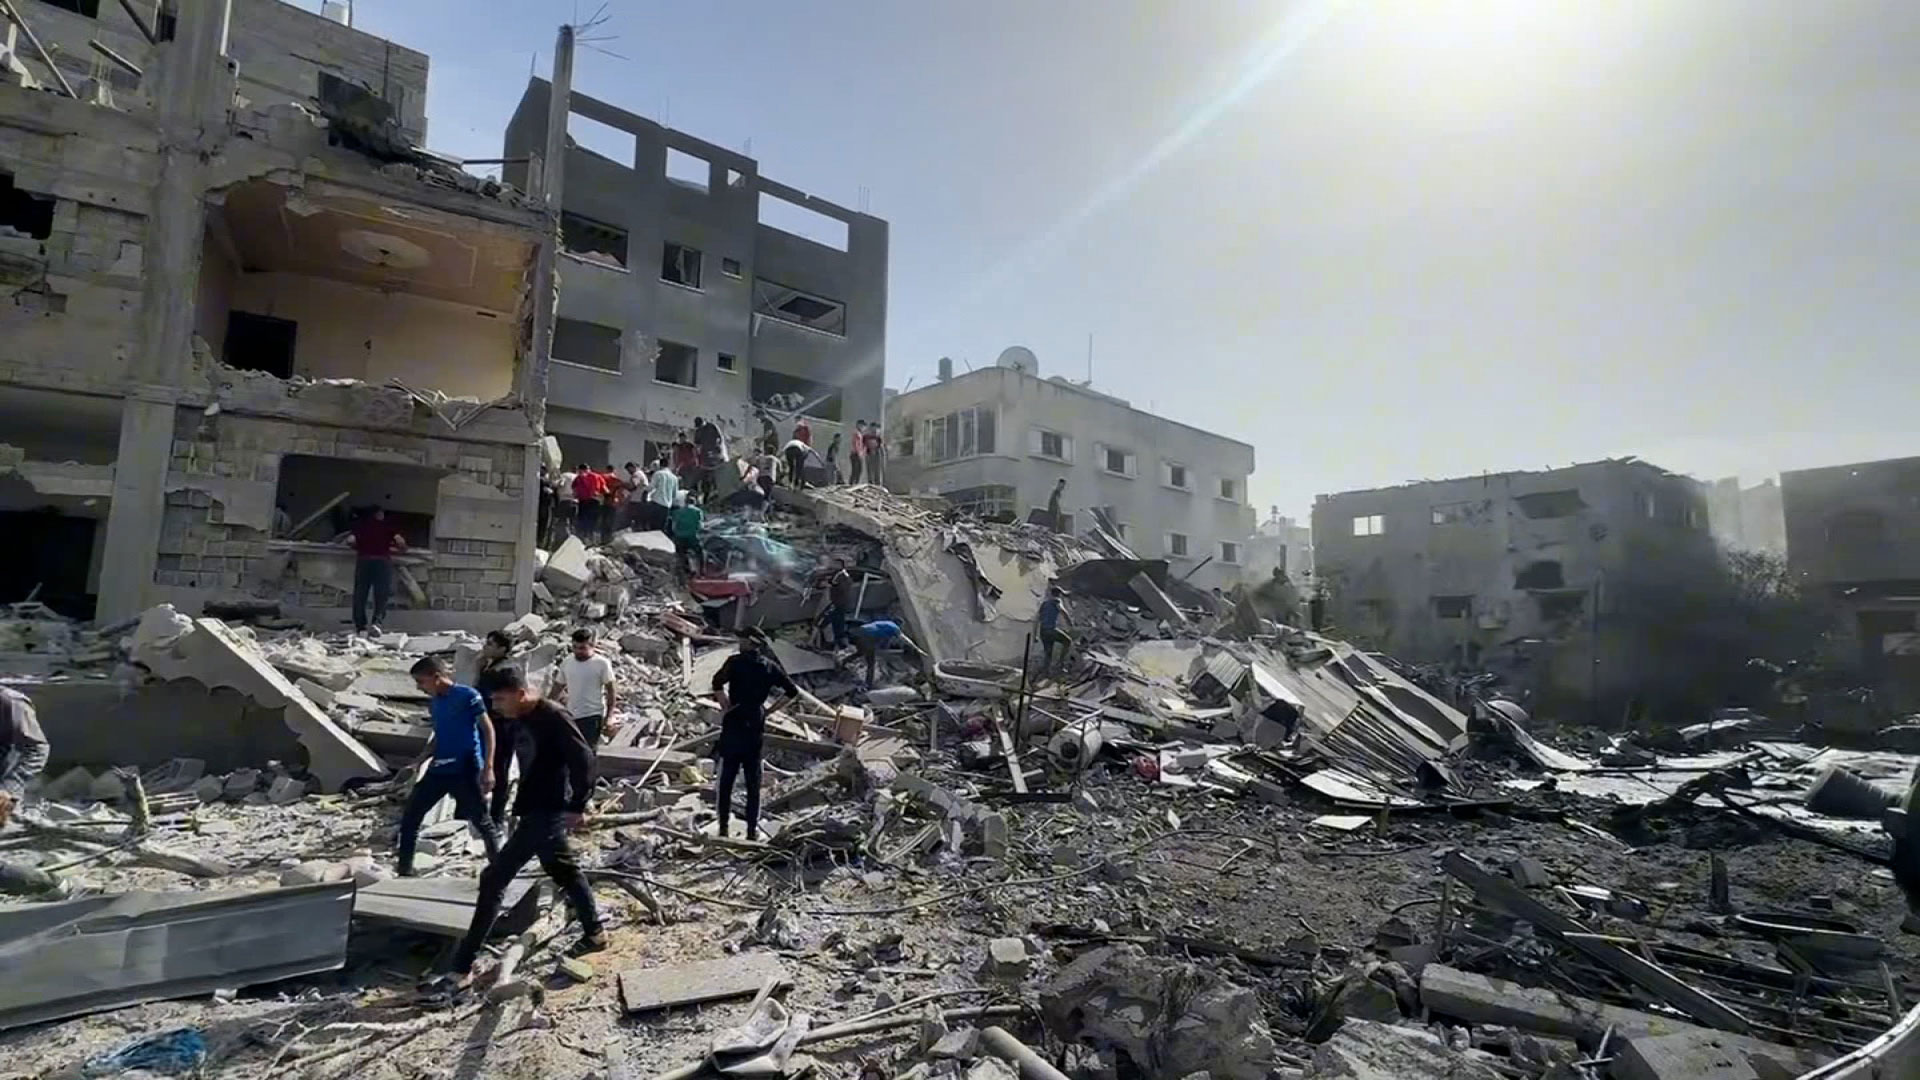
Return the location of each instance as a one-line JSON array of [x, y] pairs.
[[23, 749]]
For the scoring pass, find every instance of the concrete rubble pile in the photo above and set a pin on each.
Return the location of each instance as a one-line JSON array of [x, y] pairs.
[[1185, 850]]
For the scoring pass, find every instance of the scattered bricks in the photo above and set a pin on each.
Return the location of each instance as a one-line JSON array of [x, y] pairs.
[[576, 969], [1529, 873], [1007, 958]]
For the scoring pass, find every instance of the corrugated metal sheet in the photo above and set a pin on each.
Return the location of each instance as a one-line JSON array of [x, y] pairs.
[[106, 952]]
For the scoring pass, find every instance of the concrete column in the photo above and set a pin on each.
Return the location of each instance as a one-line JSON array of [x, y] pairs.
[[549, 183], [524, 566], [192, 93]]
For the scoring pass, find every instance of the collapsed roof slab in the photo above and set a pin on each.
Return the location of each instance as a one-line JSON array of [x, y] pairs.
[[171, 646]]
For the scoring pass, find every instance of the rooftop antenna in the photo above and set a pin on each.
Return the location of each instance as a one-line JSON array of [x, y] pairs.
[[1089, 359]]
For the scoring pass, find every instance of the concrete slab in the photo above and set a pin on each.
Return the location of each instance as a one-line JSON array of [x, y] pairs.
[[567, 570], [1365, 1050], [444, 905], [1709, 1055], [207, 651], [1156, 601], [1478, 999], [647, 989]]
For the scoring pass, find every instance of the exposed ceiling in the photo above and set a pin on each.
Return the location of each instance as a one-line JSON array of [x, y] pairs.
[[275, 229]]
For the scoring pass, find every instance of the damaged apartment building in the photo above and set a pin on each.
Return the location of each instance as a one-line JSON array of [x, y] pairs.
[[1522, 573], [237, 306], [686, 289], [996, 440]]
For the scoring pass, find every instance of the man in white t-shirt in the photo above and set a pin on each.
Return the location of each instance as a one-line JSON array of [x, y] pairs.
[[586, 688]]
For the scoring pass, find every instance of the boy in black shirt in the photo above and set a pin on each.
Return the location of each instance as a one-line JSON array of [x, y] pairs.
[[555, 782]]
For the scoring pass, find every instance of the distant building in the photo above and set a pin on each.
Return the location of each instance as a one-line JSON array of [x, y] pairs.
[[1747, 518], [996, 440], [1514, 571], [1279, 543], [683, 294], [1853, 538]]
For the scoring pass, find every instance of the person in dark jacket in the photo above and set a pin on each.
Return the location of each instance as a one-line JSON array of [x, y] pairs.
[[743, 685], [554, 787], [506, 731]]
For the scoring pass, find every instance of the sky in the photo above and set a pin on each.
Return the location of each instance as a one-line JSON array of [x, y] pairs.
[[1380, 240]]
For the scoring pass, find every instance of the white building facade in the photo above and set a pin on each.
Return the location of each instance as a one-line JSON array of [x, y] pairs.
[[996, 440]]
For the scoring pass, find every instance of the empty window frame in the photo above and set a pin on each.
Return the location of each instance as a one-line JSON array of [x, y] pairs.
[[1049, 444], [89, 8], [730, 267], [260, 343], [782, 393], [1178, 546], [804, 222], [962, 434], [1561, 605], [24, 212], [593, 241], [1229, 489], [677, 365], [1230, 553], [680, 265], [1369, 524], [688, 170], [1551, 504], [1544, 574], [1117, 461], [992, 502], [726, 361], [1174, 475], [1458, 513], [801, 308], [1453, 607], [576, 341]]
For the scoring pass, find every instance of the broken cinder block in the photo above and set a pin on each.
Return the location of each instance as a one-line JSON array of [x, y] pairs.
[[567, 570]]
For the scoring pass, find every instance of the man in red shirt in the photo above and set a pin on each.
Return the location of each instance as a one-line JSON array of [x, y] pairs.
[[375, 542], [803, 431], [587, 488]]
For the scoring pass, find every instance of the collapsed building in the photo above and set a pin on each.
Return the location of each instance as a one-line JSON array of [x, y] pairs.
[[1525, 573], [238, 302]]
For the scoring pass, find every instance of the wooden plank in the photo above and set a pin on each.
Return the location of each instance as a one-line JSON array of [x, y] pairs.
[[444, 905], [317, 514], [1013, 756], [1643, 973], [647, 989]]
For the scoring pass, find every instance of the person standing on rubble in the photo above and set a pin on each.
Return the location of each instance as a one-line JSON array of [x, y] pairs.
[[634, 486], [686, 463], [506, 734], [769, 435], [1053, 505], [587, 688], [461, 750], [1052, 610], [555, 783], [833, 460], [545, 504], [803, 432], [23, 749], [586, 495], [796, 454], [839, 601], [663, 490], [743, 685], [375, 542], [876, 451], [857, 452], [566, 507], [880, 634], [685, 524], [612, 491]]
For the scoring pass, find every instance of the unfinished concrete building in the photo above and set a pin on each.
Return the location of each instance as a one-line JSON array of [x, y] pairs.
[[1518, 572], [995, 441], [1853, 541], [683, 293], [237, 305]]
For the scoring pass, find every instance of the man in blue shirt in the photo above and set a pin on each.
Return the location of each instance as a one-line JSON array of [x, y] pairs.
[[871, 637], [461, 748], [1052, 610]]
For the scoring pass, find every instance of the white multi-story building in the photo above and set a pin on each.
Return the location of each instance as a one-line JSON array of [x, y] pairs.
[[996, 440]]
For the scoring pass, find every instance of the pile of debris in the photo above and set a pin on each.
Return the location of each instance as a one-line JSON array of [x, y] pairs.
[[1184, 850]]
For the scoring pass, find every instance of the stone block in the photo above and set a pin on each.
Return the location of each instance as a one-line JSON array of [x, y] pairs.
[[1366, 1050], [1007, 958], [285, 790], [1702, 1054], [567, 570], [1529, 873]]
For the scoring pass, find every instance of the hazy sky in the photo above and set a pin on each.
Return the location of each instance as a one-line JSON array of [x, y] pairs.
[[1379, 239]]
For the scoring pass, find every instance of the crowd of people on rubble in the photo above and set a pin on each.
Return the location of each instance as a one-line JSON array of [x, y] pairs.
[[696, 473]]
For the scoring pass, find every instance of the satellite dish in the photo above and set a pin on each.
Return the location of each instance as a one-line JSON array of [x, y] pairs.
[[1019, 358]]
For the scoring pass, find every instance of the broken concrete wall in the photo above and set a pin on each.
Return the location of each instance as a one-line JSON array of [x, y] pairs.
[[281, 51], [98, 722], [222, 486]]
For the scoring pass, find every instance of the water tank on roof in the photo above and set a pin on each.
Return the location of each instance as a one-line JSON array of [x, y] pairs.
[[946, 368], [1020, 358], [340, 11]]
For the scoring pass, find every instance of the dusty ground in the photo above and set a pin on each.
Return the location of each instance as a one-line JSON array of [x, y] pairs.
[[1236, 871]]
